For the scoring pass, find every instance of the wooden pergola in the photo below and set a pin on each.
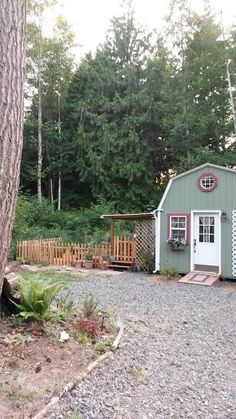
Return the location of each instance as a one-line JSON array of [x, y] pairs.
[[142, 216]]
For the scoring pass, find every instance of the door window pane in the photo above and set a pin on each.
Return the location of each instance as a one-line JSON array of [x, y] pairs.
[[206, 229]]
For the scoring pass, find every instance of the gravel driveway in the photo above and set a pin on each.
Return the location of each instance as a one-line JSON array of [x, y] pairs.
[[177, 357]]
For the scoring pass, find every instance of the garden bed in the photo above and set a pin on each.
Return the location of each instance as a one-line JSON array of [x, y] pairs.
[[35, 365]]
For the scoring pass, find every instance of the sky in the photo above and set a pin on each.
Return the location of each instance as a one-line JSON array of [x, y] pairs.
[[90, 19]]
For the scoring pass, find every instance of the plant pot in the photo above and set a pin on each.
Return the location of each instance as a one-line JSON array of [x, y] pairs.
[[88, 264], [78, 264]]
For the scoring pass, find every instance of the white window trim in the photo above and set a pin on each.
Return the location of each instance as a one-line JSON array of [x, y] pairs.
[[179, 228], [207, 188]]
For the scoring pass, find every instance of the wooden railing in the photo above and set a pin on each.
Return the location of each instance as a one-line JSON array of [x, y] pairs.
[[124, 249], [55, 252]]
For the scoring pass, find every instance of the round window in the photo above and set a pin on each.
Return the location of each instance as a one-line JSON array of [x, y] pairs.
[[207, 182]]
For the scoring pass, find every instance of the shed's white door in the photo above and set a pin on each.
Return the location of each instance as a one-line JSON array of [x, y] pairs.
[[206, 240]]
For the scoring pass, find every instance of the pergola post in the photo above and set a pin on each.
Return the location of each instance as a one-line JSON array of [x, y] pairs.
[[112, 235]]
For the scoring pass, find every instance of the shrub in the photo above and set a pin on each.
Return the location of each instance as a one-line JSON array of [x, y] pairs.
[[81, 337], [65, 306], [167, 270], [102, 346], [88, 327], [88, 254], [89, 306], [147, 257], [36, 297]]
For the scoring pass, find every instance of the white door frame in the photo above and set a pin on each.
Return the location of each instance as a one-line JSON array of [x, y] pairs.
[[193, 212]]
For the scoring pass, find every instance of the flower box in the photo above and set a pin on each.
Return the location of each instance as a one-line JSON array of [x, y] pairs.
[[176, 244]]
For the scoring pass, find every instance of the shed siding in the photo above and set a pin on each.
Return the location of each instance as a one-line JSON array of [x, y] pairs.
[[184, 196]]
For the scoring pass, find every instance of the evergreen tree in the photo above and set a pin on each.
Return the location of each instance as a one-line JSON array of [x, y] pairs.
[[111, 117]]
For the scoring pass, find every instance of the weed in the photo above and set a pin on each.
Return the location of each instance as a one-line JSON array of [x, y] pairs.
[[167, 270], [65, 307], [81, 337], [102, 346], [88, 327], [16, 320], [89, 306], [17, 339], [15, 390], [147, 257], [52, 332], [30, 394], [111, 321], [13, 364], [2, 386], [72, 416], [136, 371]]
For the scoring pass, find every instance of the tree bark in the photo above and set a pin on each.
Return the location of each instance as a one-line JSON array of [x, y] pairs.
[[40, 121], [59, 191], [51, 192], [60, 153], [12, 51]]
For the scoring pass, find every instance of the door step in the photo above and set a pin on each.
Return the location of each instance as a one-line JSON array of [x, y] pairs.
[[119, 264], [200, 278]]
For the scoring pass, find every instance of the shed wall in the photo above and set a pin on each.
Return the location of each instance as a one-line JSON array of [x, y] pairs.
[[185, 196]]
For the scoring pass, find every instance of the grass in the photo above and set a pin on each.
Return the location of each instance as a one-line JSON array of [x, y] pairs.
[[15, 390], [136, 371], [52, 275], [17, 339], [81, 337]]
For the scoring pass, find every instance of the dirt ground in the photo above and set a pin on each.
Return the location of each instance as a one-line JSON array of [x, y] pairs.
[[225, 284], [34, 367]]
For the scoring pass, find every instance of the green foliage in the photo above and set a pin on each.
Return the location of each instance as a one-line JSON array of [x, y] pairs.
[[81, 337], [36, 297], [102, 346], [51, 275], [167, 270], [89, 306], [89, 254], [65, 306], [17, 339], [131, 114], [148, 258], [202, 155], [34, 221]]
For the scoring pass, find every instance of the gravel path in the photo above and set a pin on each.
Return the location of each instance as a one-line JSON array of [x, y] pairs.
[[177, 358]]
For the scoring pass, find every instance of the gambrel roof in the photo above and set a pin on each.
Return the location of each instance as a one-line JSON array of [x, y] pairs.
[[205, 165], [227, 169]]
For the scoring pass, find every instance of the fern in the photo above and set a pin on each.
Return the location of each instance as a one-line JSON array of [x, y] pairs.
[[36, 296]]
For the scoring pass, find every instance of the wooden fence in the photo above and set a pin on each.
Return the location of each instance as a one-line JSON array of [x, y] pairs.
[[55, 252]]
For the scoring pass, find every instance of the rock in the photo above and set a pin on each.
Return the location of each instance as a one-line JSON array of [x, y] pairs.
[[64, 336], [38, 367], [10, 294], [202, 321]]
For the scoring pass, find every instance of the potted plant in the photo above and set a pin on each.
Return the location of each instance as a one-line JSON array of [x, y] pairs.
[[88, 259], [176, 243], [78, 263]]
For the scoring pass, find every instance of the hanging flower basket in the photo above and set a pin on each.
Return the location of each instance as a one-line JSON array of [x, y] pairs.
[[176, 244]]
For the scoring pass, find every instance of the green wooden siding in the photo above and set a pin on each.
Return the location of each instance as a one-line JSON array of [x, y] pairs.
[[184, 196]]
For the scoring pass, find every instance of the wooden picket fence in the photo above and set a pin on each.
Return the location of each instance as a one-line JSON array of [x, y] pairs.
[[55, 252]]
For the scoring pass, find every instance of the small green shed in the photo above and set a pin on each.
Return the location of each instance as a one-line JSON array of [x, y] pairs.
[[195, 222]]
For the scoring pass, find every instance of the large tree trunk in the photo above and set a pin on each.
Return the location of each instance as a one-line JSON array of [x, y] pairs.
[[12, 49], [40, 121], [60, 153]]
